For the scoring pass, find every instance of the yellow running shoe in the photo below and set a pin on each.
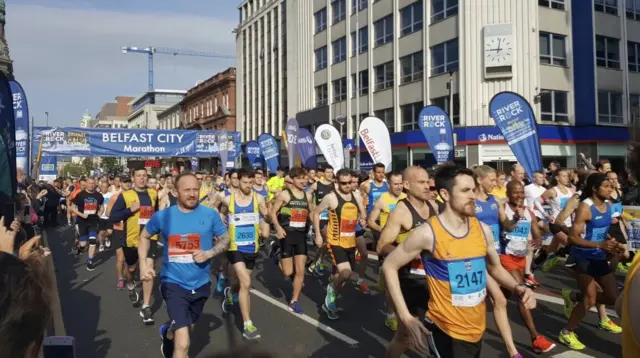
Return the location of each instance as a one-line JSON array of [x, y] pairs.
[[550, 263], [610, 326], [570, 339], [568, 304], [391, 323], [622, 268]]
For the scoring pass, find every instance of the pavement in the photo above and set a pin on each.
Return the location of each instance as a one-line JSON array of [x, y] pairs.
[[106, 325]]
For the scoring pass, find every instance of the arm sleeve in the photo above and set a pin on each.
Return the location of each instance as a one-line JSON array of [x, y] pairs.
[[154, 226], [119, 212], [217, 227]]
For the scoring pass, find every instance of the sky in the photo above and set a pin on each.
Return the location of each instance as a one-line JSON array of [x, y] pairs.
[[67, 53]]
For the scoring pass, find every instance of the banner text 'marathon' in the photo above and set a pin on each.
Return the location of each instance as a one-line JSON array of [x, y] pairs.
[[147, 149]]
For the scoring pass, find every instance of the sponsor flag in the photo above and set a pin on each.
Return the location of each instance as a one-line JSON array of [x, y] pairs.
[[375, 135], [223, 143], [515, 119], [195, 164], [270, 151], [252, 150], [436, 128], [8, 178], [307, 148], [49, 169], [21, 115], [330, 145], [291, 131]]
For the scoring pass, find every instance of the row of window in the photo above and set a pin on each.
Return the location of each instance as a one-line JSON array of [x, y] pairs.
[[605, 6]]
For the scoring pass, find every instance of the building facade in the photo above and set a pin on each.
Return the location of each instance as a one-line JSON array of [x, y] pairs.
[[211, 104], [390, 58], [146, 107], [170, 117], [113, 114]]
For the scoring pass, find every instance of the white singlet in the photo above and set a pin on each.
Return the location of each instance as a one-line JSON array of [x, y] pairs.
[[516, 242], [559, 202]]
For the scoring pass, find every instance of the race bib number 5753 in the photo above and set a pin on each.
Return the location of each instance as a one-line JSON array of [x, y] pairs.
[[182, 247]]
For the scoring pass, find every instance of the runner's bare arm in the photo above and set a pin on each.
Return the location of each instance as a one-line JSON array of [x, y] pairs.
[[395, 223], [143, 247], [262, 206], [221, 244], [421, 239], [536, 232], [507, 225], [361, 208], [309, 200], [494, 267], [548, 194], [569, 209], [375, 214], [281, 199], [583, 214], [329, 201]]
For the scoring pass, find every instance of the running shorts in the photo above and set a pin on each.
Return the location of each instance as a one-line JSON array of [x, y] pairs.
[[86, 228], [294, 244], [513, 263], [104, 225], [184, 307], [249, 259], [592, 267], [443, 346], [340, 254]]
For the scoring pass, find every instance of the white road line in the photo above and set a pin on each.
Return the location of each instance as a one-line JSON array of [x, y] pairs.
[[572, 354], [560, 301], [307, 319]]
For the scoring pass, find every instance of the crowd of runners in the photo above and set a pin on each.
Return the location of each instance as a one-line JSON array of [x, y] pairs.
[[445, 239]]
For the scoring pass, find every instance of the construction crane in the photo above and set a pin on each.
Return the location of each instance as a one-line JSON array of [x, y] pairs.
[[150, 51]]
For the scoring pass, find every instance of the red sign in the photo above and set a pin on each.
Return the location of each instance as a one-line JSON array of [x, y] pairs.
[[152, 164]]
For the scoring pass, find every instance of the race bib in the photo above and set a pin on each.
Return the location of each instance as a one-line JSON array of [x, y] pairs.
[[91, 207], [245, 235], [348, 227], [298, 218], [375, 195], [468, 280], [495, 230], [324, 215], [522, 230], [182, 247], [599, 234], [417, 268], [563, 202], [145, 213]]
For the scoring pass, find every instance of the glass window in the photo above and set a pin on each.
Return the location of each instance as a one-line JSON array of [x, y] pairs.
[[321, 58], [363, 86], [383, 30], [441, 9], [607, 52], [321, 20], [412, 67], [358, 5], [339, 10], [384, 76], [362, 41], [553, 4], [554, 106], [339, 50], [634, 108], [445, 103], [552, 49], [610, 108], [633, 9], [340, 89], [633, 52], [411, 18], [606, 6], [410, 113], [322, 95], [444, 57], [387, 115]]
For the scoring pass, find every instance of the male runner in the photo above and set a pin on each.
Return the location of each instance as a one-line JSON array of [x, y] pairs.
[[345, 211], [258, 183], [323, 186], [87, 205], [135, 207], [245, 208], [290, 217], [187, 231], [461, 254], [104, 225], [118, 234], [376, 187], [408, 214]]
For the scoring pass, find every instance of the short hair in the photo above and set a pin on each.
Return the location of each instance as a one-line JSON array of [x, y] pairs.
[[244, 173], [601, 163], [297, 172], [258, 171], [378, 165], [326, 167], [392, 174], [137, 169], [344, 172], [446, 175], [515, 166], [482, 171], [500, 172], [538, 172], [176, 181]]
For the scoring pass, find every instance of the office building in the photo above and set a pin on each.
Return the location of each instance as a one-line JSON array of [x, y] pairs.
[[211, 104], [146, 107]]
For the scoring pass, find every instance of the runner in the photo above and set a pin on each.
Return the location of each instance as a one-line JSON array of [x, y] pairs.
[[593, 218], [408, 214], [515, 246], [290, 217], [618, 229], [323, 186], [118, 234], [170, 194], [187, 230], [345, 210], [258, 183], [87, 205], [245, 208], [460, 259], [372, 189], [134, 208], [105, 228], [500, 191]]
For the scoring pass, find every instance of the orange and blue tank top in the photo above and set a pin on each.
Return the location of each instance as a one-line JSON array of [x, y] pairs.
[[341, 228], [457, 279]]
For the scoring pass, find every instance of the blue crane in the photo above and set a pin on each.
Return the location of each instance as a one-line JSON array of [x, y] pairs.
[[150, 51]]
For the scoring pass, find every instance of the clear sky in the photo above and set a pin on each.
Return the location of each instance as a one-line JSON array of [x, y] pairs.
[[67, 53]]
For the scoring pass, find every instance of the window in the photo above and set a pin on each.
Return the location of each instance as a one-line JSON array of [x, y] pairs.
[[410, 113], [363, 86], [339, 10], [633, 9], [606, 6], [340, 89], [339, 50], [355, 125], [363, 41], [633, 51], [412, 67], [411, 18], [607, 52], [321, 58], [322, 95], [609, 108], [321, 20], [445, 103], [441, 9], [384, 76], [384, 30], [552, 49], [358, 5], [634, 107], [387, 115], [444, 57], [553, 4], [554, 106]]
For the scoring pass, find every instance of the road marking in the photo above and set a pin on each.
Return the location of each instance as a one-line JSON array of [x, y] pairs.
[[306, 318], [572, 354], [560, 301]]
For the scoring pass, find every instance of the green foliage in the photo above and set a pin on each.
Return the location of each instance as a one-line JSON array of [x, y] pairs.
[[73, 170], [87, 164], [110, 165]]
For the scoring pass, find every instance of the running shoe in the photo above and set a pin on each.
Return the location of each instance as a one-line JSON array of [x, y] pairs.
[[518, 355], [530, 281], [570, 339], [363, 287], [221, 283], [101, 248], [610, 326], [550, 263], [391, 323], [147, 316], [90, 266], [330, 298], [568, 303], [295, 307], [250, 332], [134, 297], [107, 243], [166, 348], [331, 314], [542, 345], [120, 284], [229, 300], [622, 268]]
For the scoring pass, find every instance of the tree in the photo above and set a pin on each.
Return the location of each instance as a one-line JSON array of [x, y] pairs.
[[73, 170], [110, 165], [87, 164]]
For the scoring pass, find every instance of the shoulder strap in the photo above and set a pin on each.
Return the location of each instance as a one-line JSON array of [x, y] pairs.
[[232, 207], [255, 203]]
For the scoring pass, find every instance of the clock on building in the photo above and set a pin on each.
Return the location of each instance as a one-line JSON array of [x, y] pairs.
[[498, 48]]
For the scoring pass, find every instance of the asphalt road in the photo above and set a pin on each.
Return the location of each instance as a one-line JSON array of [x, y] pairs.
[[105, 324]]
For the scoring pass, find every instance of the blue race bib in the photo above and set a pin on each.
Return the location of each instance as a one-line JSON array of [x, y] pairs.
[[599, 234], [468, 281], [563, 202], [324, 215], [245, 235], [522, 230], [495, 229]]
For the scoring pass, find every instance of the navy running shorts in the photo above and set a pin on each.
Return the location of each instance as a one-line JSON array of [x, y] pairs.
[[184, 307]]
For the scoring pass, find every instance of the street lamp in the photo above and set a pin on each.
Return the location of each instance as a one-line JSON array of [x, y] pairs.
[[46, 115], [341, 121]]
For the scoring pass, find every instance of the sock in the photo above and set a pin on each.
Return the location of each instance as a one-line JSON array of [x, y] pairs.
[[391, 315], [565, 331], [131, 286], [145, 306], [90, 260], [248, 323]]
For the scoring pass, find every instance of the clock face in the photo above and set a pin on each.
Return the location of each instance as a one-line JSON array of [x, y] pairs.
[[498, 50]]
